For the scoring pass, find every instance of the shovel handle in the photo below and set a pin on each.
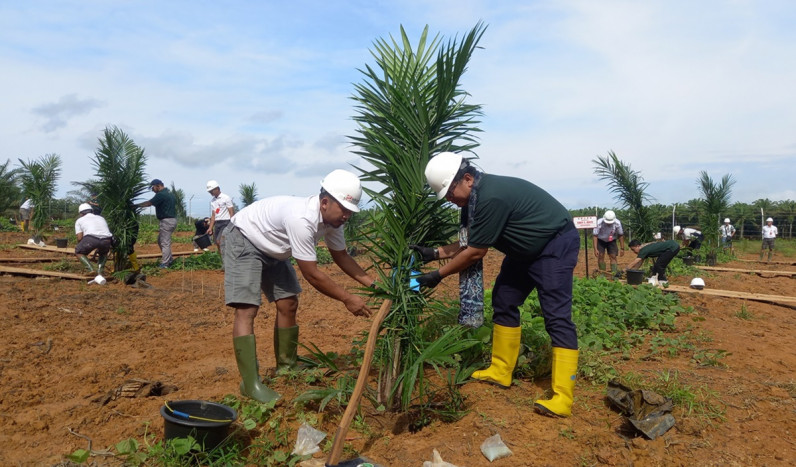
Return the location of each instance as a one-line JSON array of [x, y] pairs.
[[362, 379]]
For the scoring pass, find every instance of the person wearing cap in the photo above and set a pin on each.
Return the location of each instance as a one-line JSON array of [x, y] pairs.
[[222, 210], [663, 252], [92, 234], [166, 211], [727, 231], [604, 237], [769, 234], [541, 245], [258, 244]]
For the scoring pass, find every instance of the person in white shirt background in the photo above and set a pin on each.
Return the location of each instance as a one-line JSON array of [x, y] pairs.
[[222, 211], [769, 234], [727, 231]]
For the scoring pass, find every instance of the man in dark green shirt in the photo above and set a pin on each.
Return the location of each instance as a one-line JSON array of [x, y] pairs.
[[662, 251], [541, 245], [166, 211]]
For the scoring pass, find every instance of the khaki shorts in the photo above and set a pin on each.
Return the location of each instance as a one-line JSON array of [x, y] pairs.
[[248, 271]]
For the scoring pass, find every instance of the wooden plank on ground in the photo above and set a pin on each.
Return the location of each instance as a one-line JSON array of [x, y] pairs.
[[789, 262], [756, 271], [173, 253], [781, 299], [30, 259], [69, 251], [39, 272]]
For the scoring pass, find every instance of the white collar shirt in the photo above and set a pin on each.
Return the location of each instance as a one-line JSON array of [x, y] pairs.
[[220, 205], [94, 225], [285, 226]]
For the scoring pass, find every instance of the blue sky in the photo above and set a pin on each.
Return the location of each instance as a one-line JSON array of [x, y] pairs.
[[259, 91]]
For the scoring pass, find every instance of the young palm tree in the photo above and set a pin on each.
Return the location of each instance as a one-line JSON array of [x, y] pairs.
[[715, 201], [629, 188], [248, 193], [39, 180], [9, 190], [119, 165], [408, 109], [179, 198]]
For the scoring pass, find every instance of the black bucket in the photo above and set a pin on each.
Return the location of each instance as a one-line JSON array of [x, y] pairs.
[[207, 422], [688, 260], [60, 242], [203, 241], [635, 276]]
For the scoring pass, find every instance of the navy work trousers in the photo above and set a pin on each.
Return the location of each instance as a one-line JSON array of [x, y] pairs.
[[551, 274]]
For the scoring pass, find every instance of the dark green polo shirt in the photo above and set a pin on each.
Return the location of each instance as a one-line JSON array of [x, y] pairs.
[[165, 204], [514, 216], [655, 249]]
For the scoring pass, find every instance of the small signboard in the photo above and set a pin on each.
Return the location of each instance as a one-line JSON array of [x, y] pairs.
[[587, 222]]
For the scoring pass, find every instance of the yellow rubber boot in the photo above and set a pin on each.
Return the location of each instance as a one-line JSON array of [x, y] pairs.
[[134, 262], [565, 369], [505, 350]]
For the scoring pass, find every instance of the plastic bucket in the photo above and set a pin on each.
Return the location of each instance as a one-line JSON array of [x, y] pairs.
[[207, 422], [688, 260], [635, 276], [203, 241], [60, 242]]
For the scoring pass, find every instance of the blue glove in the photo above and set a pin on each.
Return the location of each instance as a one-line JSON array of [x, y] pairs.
[[430, 280]]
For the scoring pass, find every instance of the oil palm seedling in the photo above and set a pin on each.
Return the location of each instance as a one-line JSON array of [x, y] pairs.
[[119, 165], [248, 193], [629, 188], [179, 201], [39, 180], [714, 202], [410, 107]]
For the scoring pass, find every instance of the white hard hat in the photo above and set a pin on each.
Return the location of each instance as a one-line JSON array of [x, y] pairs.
[[676, 229], [345, 187], [211, 185], [440, 171], [609, 217], [769, 220], [84, 207], [697, 283], [726, 220]]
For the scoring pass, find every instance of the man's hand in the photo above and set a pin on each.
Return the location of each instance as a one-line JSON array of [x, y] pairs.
[[596, 253], [431, 280], [426, 253], [621, 252], [356, 305]]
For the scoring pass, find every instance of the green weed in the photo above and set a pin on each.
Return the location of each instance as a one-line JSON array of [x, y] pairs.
[[710, 357], [744, 313]]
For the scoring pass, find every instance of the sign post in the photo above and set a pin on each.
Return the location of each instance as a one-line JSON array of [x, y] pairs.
[[585, 223]]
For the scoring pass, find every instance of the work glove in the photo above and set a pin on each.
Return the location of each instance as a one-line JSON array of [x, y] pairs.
[[426, 253], [430, 280]]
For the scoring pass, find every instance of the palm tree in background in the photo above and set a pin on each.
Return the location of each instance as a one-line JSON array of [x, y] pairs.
[[39, 180], [179, 202], [715, 201], [629, 188], [119, 165], [9, 189], [248, 193], [410, 107]]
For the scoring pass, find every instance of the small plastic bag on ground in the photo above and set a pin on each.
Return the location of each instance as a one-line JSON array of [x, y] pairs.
[[436, 461], [493, 448], [307, 440]]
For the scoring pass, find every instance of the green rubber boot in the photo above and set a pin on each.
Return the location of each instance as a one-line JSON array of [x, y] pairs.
[[86, 263], [286, 348], [101, 264], [246, 356], [601, 266], [614, 268], [770, 255]]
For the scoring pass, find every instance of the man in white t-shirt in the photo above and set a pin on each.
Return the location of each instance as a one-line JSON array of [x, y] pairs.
[[222, 211], [604, 238], [92, 234], [769, 234], [258, 245], [26, 214]]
